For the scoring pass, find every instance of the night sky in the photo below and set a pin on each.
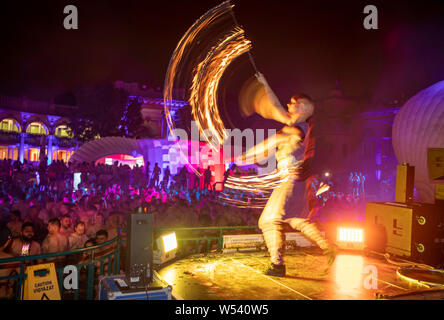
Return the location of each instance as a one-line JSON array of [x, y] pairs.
[[298, 45]]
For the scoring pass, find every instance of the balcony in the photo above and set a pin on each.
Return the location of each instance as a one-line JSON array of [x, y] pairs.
[[9, 138], [35, 140], [64, 142]]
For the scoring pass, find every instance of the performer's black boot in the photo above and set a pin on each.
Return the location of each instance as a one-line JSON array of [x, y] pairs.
[[311, 231], [275, 270]]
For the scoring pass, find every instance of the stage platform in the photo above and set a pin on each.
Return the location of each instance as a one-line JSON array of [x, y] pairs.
[[238, 276]]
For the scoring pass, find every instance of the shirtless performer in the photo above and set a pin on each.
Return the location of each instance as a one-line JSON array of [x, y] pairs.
[[25, 245], [54, 241], [289, 139]]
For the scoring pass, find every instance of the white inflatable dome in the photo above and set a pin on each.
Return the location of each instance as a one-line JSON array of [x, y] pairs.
[[420, 125], [99, 148]]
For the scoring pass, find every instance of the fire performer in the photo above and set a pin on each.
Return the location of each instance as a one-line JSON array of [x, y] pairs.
[[258, 97]]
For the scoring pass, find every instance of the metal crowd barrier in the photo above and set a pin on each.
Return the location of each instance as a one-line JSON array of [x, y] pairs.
[[96, 263], [182, 241], [93, 267]]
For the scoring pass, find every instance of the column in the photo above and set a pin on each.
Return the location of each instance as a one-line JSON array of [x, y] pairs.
[[22, 147], [49, 149]]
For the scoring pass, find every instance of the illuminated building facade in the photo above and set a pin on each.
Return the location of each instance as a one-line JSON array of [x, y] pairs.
[[376, 144], [152, 105], [350, 137], [353, 139], [28, 126]]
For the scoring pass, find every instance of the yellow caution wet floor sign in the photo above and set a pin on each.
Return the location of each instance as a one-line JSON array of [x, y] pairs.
[[41, 283]]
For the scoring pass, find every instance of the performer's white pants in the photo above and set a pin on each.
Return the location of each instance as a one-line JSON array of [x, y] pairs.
[[272, 221]]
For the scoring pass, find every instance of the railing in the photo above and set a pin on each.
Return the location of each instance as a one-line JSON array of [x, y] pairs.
[[9, 137], [64, 142], [70, 257], [182, 241], [95, 265], [35, 140]]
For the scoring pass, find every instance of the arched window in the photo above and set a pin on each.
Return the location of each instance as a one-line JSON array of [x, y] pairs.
[[63, 131], [37, 128], [10, 125]]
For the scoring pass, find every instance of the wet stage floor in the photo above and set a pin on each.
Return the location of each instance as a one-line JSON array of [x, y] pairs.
[[238, 276]]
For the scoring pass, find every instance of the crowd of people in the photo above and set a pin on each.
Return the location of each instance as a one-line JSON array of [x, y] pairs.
[[42, 202], [342, 202], [357, 184], [44, 210]]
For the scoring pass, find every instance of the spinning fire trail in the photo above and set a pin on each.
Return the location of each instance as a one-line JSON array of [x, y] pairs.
[[203, 97], [200, 75]]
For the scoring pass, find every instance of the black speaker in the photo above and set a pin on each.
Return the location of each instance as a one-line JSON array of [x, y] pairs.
[[405, 180], [413, 230], [139, 255], [435, 161]]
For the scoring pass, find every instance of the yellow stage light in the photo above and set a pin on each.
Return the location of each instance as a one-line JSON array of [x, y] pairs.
[[166, 248], [169, 242], [350, 235], [350, 238]]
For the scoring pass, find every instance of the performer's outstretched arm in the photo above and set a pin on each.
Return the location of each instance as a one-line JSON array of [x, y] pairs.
[[267, 148], [261, 151], [269, 105]]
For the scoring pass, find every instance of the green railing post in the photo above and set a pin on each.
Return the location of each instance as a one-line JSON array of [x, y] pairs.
[[220, 240], [21, 282], [110, 265], [118, 255], [90, 291], [60, 275], [102, 266], [208, 244], [76, 291]]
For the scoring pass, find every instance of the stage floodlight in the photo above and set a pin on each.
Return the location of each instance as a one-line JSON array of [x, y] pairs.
[[350, 238], [169, 242], [166, 248]]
